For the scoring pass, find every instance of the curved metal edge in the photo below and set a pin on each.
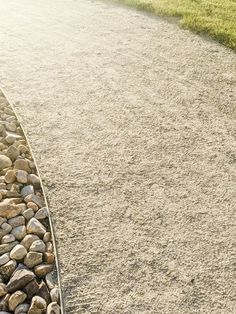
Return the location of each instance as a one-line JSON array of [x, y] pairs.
[[62, 305]]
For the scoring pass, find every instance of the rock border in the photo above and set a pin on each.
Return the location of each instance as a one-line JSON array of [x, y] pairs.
[[30, 279]]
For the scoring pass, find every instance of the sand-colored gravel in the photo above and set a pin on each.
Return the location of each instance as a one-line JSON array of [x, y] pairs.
[[132, 122]]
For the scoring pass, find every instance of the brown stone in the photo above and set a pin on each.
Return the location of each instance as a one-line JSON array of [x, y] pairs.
[[7, 270], [31, 289], [19, 280], [43, 269], [4, 302], [43, 292]]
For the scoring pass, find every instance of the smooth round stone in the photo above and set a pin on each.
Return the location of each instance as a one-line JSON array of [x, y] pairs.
[[27, 190], [38, 246], [22, 164], [12, 152], [22, 148], [32, 259], [43, 269], [6, 227], [22, 308], [42, 213], [35, 227], [5, 162], [3, 290], [15, 299], [10, 176], [21, 176], [33, 179], [16, 221], [54, 293], [49, 247], [2, 220], [28, 240], [33, 206], [18, 252], [48, 258], [28, 213], [19, 232], [53, 308], [38, 305], [5, 258], [8, 238], [47, 237], [51, 280], [22, 207]]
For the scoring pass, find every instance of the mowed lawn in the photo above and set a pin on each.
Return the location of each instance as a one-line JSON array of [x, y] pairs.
[[216, 18]]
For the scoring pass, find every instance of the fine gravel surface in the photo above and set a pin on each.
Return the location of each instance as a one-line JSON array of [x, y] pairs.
[[132, 122]]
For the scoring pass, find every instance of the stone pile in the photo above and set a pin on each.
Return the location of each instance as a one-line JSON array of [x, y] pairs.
[[28, 278]]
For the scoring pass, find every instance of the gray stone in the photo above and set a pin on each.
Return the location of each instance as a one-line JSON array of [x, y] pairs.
[[5, 162], [35, 227], [42, 213], [35, 199], [21, 176], [5, 226], [28, 213], [33, 179], [19, 280], [27, 190], [22, 308], [16, 221], [19, 232], [7, 269], [51, 280], [31, 289], [5, 258], [38, 246], [28, 240], [43, 292], [8, 238], [18, 252], [12, 152], [4, 248]]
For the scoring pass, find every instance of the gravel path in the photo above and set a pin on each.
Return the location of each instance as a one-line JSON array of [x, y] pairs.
[[132, 122]]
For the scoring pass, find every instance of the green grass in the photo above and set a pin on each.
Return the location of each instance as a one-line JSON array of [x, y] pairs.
[[216, 18]]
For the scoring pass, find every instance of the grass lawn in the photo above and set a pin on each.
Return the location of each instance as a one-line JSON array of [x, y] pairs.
[[217, 18]]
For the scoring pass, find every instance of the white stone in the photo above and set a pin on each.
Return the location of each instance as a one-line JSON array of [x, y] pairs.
[[8, 238], [35, 227], [38, 246], [18, 252]]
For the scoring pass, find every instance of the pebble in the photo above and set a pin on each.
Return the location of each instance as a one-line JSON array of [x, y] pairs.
[[12, 152], [35, 227], [27, 190], [49, 247], [15, 299], [33, 179], [10, 126], [47, 237], [51, 280], [32, 259], [43, 292], [28, 240], [22, 164], [19, 280], [53, 308], [16, 221], [48, 258], [43, 269], [54, 293], [8, 238], [8, 210], [19, 232], [18, 252], [42, 213], [10, 176], [4, 248], [31, 288], [22, 308], [4, 302], [6, 227], [21, 176], [3, 290], [28, 213], [5, 162], [7, 269], [23, 149], [2, 220], [5, 258], [12, 137], [33, 206], [35, 199], [38, 246], [38, 305]]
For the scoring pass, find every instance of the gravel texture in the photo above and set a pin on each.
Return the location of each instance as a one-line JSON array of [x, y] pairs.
[[132, 122]]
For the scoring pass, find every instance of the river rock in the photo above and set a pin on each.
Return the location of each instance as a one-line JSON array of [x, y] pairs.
[[4, 248], [4, 302], [22, 308], [11, 137], [19, 232], [51, 280], [22, 164], [42, 213], [42, 270], [8, 210], [47, 237], [27, 190], [19, 280], [43, 292], [28, 213], [5, 226], [18, 252], [5, 258], [54, 293], [3, 290], [48, 258], [53, 308], [32, 206], [16, 221], [28, 240], [35, 227], [38, 305], [21, 176], [10, 176], [8, 238], [5, 162], [7, 269], [12, 152], [38, 246], [33, 258], [31, 289], [35, 199], [33, 179], [15, 299]]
